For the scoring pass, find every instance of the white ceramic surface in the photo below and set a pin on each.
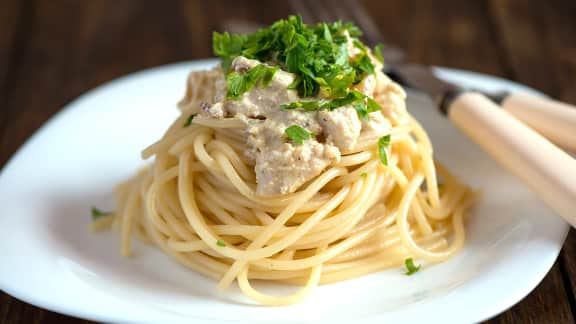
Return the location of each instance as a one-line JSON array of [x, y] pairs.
[[50, 259]]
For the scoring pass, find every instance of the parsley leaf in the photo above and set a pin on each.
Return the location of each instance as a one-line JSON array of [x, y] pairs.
[[189, 120], [297, 134], [240, 83], [411, 268], [268, 75], [361, 110], [383, 144], [362, 62], [351, 97], [362, 103], [363, 65], [220, 243], [313, 105], [341, 57], [372, 105], [227, 47], [236, 85], [338, 26], [327, 33], [378, 52], [308, 105], [364, 174], [97, 213], [359, 45]]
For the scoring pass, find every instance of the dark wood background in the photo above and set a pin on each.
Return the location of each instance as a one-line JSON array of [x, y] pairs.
[[54, 50]]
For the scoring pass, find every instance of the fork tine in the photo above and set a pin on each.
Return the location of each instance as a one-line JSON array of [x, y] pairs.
[[338, 12], [330, 10], [364, 20], [393, 54], [311, 11], [347, 10], [341, 12], [323, 12], [300, 7], [316, 11]]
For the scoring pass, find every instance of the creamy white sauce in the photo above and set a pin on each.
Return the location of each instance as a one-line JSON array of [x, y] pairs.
[[282, 166]]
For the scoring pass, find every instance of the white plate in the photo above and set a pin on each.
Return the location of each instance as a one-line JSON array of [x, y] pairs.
[[48, 257]]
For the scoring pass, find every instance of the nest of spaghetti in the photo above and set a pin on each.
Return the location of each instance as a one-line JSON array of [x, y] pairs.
[[235, 195]]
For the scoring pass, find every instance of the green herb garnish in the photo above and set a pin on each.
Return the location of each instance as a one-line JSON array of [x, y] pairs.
[[372, 105], [220, 243], [297, 134], [317, 55], [365, 106], [362, 62], [313, 105], [378, 52], [97, 213], [411, 268], [364, 174], [361, 110], [362, 103], [189, 120], [227, 47], [383, 144], [239, 83]]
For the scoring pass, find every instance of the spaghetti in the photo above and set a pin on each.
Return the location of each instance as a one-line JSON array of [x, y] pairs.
[[199, 203]]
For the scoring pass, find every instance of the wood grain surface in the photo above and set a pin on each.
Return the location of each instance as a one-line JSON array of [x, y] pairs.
[[52, 51]]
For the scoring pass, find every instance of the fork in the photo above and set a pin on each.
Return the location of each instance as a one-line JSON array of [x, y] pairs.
[[553, 119], [516, 147]]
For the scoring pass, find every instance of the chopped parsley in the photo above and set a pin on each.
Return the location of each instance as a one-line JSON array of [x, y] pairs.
[[364, 174], [383, 145], [239, 83], [189, 120], [378, 52], [364, 64], [372, 105], [297, 134], [365, 106], [227, 47], [317, 55], [97, 213], [362, 103], [312, 105], [411, 268], [220, 243]]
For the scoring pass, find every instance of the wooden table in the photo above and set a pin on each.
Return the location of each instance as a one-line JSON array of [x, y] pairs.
[[53, 51]]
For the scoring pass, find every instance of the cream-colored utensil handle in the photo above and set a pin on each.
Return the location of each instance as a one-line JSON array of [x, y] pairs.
[[553, 119], [545, 168]]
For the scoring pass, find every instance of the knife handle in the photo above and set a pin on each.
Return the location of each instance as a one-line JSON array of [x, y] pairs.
[[553, 119], [546, 169]]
